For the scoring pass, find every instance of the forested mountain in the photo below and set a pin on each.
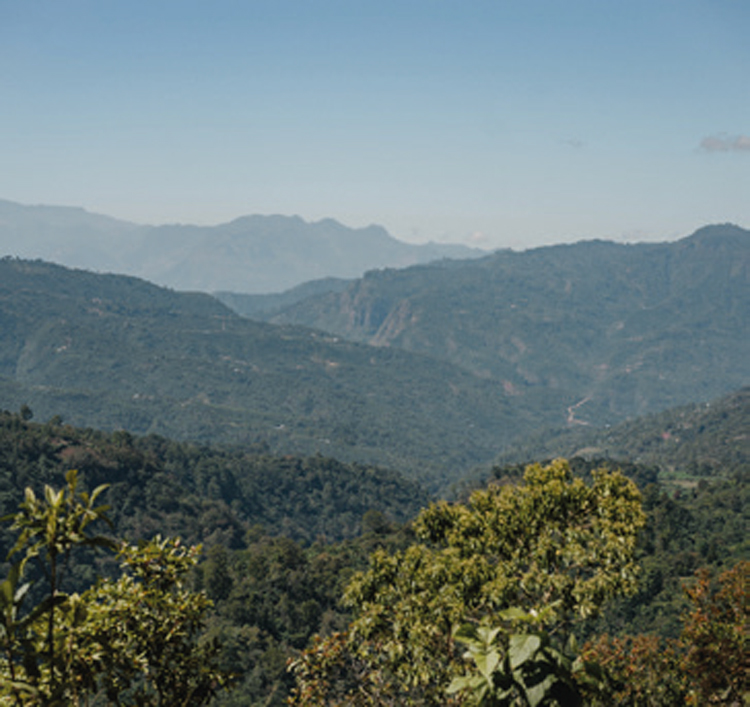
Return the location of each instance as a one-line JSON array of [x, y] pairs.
[[118, 353], [252, 254], [285, 525], [699, 441], [256, 515], [600, 331], [201, 493], [469, 356]]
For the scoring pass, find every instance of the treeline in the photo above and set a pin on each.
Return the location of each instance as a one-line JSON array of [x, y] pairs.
[[205, 494]]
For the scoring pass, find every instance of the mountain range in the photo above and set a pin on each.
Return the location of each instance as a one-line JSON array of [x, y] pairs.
[[431, 369], [252, 254], [306, 409], [607, 330]]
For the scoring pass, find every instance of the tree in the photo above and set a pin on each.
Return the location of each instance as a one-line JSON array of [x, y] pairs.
[[137, 640], [634, 671], [551, 547], [130, 641], [707, 665], [716, 636], [50, 527]]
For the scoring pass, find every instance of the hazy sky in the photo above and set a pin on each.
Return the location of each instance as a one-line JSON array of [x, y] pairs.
[[503, 123]]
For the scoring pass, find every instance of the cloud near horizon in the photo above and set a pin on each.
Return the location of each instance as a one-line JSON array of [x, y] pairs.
[[478, 239], [726, 143]]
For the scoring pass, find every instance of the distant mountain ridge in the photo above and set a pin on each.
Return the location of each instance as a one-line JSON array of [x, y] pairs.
[[616, 330], [252, 254]]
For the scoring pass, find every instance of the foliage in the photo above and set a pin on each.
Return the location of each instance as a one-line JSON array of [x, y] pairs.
[[139, 641], [332, 673], [509, 668], [270, 593], [203, 494], [707, 664], [705, 526], [633, 671], [49, 528], [133, 641], [273, 596], [701, 524], [716, 636], [553, 546]]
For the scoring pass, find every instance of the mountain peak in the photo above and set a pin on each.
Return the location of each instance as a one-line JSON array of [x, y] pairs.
[[251, 254]]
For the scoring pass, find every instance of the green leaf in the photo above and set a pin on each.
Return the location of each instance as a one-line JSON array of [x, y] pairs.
[[487, 663], [466, 682], [7, 592], [98, 490], [101, 541], [515, 613], [522, 648], [538, 694], [71, 478], [466, 633]]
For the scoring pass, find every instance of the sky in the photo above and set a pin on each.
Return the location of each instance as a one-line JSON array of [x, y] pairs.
[[493, 123]]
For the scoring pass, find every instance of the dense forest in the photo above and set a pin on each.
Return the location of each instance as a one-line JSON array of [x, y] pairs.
[[283, 537], [203, 493]]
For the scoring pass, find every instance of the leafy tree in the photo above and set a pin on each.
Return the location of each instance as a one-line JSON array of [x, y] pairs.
[[633, 671], [133, 641], [708, 664], [137, 639], [553, 547], [716, 633], [50, 527]]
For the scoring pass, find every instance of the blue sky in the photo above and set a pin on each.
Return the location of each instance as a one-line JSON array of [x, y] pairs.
[[499, 123]]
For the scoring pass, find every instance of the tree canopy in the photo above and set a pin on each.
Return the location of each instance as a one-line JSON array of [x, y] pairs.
[[553, 548]]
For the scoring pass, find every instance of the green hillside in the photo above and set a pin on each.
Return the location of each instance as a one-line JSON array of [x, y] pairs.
[[201, 493], [118, 353], [598, 331], [692, 442]]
